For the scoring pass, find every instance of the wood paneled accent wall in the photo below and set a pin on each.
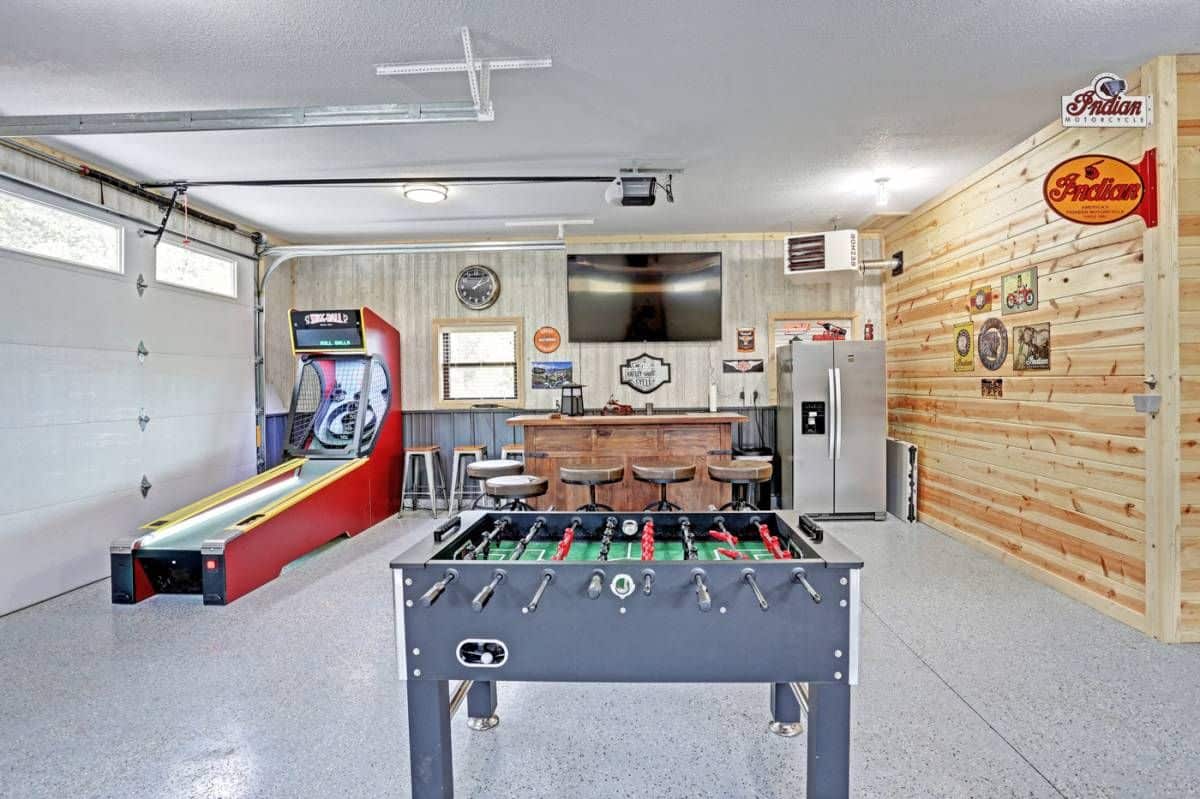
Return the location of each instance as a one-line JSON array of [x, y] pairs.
[[1188, 131], [410, 291], [1051, 478]]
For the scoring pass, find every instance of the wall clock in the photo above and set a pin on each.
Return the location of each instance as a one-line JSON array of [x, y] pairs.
[[477, 287]]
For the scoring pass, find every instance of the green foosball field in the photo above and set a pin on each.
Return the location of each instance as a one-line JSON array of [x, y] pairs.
[[630, 549]]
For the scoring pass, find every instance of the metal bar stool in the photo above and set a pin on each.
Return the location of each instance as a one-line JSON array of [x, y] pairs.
[[487, 469], [664, 475], [476, 453], [740, 475], [591, 475], [512, 452], [431, 456], [510, 491]]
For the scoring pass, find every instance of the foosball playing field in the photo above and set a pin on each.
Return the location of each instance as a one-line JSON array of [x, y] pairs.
[[629, 550]]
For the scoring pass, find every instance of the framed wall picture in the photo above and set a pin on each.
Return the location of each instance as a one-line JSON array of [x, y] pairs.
[[1031, 347], [1019, 291], [550, 374]]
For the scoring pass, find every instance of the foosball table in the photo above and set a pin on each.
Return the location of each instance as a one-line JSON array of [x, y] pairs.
[[628, 597]]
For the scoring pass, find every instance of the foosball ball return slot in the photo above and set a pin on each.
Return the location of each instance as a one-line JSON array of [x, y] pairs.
[[615, 597]]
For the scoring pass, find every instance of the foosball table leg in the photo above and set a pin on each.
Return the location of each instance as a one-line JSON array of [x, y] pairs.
[[785, 711], [828, 740], [429, 751], [481, 706]]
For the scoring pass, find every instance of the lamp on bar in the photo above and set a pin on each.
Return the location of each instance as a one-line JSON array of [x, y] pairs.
[[572, 399]]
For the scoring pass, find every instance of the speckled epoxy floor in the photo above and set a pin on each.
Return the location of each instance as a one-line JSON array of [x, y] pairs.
[[975, 682]]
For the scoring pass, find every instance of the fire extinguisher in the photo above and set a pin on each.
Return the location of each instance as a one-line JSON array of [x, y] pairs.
[[869, 331]]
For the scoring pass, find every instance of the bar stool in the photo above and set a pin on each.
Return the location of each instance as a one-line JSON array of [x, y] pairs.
[[740, 475], [512, 452], [431, 455], [487, 469], [515, 488], [591, 475], [664, 475], [457, 478]]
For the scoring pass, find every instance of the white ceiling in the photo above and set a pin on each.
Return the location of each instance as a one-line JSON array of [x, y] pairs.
[[782, 113]]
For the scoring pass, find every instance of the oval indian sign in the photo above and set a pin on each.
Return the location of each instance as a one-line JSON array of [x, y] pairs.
[[1094, 189]]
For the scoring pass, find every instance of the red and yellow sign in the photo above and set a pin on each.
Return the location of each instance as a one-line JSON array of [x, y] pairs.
[[1098, 189], [546, 339]]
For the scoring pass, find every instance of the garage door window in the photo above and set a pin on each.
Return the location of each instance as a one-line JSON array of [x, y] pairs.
[[186, 266], [478, 362], [35, 228]]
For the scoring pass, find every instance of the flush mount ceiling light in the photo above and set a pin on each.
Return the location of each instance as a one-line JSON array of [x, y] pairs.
[[881, 193], [425, 192]]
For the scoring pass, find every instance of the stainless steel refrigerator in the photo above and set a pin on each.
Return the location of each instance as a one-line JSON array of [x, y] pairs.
[[832, 427]]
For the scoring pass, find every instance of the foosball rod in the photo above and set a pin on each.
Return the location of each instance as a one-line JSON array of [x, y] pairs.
[[547, 577], [485, 595], [702, 597], [748, 576], [606, 537], [534, 528], [460, 693], [473, 550], [798, 576], [801, 694], [429, 597], [689, 539]]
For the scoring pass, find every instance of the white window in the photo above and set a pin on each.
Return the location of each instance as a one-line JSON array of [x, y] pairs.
[[478, 361], [33, 227], [184, 265]]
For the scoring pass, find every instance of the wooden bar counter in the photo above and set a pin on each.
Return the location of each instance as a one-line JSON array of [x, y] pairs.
[[626, 440]]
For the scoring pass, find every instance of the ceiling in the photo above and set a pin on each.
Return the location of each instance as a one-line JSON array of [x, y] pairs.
[[781, 113]]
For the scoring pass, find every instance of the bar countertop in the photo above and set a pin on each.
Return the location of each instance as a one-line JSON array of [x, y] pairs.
[[544, 420]]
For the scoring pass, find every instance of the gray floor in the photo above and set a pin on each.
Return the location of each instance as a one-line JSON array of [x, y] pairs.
[[975, 682]]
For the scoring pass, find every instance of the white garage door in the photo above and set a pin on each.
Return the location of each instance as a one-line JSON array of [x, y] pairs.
[[71, 392]]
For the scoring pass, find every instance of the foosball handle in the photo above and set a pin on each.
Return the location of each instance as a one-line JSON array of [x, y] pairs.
[[748, 576], [702, 597], [596, 584], [547, 576], [647, 581], [483, 597], [431, 596], [798, 577]]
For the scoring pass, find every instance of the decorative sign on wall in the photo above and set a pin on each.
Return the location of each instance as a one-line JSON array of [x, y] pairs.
[[551, 374], [980, 300], [992, 388], [1031, 347], [645, 373], [1104, 104], [745, 339], [742, 366], [1098, 189], [992, 344], [1018, 291], [546, 339], [964, 347]]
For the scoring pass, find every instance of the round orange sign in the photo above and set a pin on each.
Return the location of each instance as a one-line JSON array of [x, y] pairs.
[[1094, 189], [546, 339]]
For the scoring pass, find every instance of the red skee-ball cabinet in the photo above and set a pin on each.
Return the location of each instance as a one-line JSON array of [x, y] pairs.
[[344, 444]]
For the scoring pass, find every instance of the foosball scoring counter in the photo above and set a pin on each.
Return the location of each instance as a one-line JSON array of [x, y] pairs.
[[628, 597]]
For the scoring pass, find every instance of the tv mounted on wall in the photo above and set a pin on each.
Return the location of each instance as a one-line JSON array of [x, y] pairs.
[[644, 297]]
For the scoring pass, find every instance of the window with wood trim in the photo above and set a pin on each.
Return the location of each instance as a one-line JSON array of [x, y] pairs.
[[478, 362]]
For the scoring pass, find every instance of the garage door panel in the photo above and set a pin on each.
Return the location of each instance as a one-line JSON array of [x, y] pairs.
[[46, 553], [178, 385], [184, 488], [188, 322], [174, 447], [62, 463], [66, 306], [66, 385]]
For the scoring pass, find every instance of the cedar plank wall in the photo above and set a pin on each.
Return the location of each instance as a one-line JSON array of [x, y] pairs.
[[1188, 86], [1051, 478]]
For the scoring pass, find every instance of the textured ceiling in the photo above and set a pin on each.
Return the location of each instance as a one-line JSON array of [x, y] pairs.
[[782, 113]]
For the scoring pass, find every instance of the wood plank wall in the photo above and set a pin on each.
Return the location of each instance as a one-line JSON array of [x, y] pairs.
[[1188, 88], [1051, 478], [410, 291]]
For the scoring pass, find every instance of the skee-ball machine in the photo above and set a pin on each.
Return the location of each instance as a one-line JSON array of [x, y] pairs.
[[344, 445]]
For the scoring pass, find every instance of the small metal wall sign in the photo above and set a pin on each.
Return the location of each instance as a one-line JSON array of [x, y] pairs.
[[992, 344], [964, 347], [992, 388], [645, 373], [745, 339], [1019, 291], [1031, 347], [1098, 189], [741, 365], [1104, 104]]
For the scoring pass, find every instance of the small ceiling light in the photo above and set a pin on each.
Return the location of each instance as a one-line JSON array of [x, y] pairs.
[[881, 194], [425, 192]]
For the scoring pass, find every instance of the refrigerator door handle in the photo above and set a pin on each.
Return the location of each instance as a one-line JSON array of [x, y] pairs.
[[832, 413], [837, 387]]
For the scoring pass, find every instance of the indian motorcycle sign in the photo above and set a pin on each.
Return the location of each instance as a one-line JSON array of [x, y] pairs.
[[1098, 189], [1104, 104]]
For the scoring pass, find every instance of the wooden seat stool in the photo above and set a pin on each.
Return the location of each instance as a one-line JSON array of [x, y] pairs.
[[740, 475], [484, 470], [664, 475], [513, 452], [509, 492], [591, 475], [430, 456], [474, 452]]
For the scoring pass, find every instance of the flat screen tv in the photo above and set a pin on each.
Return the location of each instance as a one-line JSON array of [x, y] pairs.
[[650, 297]]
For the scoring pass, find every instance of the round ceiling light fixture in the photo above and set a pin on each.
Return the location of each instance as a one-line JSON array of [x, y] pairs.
[[425, 192]]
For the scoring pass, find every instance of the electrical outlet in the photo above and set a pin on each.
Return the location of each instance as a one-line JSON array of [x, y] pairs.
[[742, 395]]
